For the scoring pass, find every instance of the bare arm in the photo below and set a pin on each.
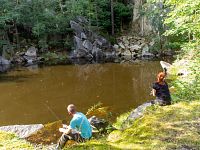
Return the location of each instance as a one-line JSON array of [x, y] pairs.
[[153, 92], [66, 131]]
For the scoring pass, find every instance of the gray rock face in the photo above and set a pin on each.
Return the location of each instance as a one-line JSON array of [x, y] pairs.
[[83, 36], [4, 64], [78, 43], [134, 47], [121, 45], [77, 28], [141, 24], [136, 113], [146, 53], [31, 52], [4, 61], [30, 57], [116, 46], [4, 68], [168, 53], [22, 131], [88, 44], [82, 19], [7, 51]]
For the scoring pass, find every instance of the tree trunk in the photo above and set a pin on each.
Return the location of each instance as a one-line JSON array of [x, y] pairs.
[[60, 4], [17, 37], [96, 13], [112, 16]]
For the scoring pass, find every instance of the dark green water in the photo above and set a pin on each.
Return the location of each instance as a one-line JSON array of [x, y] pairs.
[[42, 95]]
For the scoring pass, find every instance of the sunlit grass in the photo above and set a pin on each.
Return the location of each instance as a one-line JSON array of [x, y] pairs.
[[170, 127], [9, 141], [47, 135]]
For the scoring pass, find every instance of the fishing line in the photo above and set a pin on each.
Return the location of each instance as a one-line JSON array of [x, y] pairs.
[[52, 112]]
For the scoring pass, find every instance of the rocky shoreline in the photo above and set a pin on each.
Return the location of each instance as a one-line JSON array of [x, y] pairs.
[[88, 47]]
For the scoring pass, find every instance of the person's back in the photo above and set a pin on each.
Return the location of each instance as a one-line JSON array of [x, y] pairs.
[[80, 123], [161, 90], [78, 130]]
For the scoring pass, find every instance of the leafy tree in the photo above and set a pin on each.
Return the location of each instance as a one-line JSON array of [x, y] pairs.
[[46, 23], [184, 18]]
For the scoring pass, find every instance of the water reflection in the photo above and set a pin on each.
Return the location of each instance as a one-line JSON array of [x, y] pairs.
[[42, 95]]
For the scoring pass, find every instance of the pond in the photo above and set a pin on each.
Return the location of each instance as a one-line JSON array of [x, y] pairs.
[[41, 95]]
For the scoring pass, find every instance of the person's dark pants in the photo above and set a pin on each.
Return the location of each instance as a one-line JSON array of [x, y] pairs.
[[71, 136]]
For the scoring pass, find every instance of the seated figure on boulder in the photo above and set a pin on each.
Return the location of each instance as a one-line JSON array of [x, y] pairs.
[[79, 129], [161, 90]]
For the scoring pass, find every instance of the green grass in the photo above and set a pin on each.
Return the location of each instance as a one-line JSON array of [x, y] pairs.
[[170, 127], [9, 141]]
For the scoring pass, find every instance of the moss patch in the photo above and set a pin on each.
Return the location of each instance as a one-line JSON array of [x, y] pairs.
[[10, 141], [47, 135], [169, 127]]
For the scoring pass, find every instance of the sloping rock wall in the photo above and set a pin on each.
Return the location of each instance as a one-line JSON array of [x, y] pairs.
[[140, 24], [22, 131], [88, 44]]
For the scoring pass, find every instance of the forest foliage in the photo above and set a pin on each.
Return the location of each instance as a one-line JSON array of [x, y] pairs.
[[46, 23]]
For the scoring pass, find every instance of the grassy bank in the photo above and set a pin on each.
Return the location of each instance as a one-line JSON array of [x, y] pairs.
[[169, 127], [9, 141]]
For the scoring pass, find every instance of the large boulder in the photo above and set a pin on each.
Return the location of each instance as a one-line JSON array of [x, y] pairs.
[[31, 52], [4, 61], [22, 131], [88, 44], [116, 46], [135, 47], [77, 28], [97, 53], [146, 53], [78, 43], [4, 64], [83, 36], [135, 114], [121, 45], [127, 53], [7, 51]]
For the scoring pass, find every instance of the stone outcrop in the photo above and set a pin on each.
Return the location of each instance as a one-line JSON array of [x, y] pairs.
[[4, 61], [4, 64], [140, 24], [22, 131], [135, 114], [134, 47], [27, 58], [88, 44]]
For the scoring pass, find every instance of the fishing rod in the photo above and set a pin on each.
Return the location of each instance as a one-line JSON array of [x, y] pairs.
[[52, 112]]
